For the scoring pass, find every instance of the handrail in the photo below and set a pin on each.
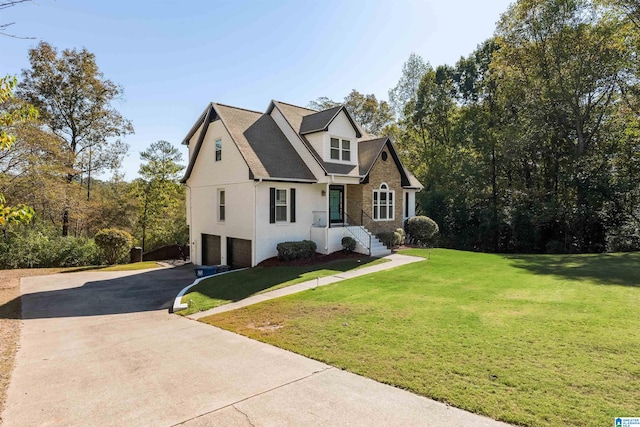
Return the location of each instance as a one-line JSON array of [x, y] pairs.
[[376, 227], [362, 235]]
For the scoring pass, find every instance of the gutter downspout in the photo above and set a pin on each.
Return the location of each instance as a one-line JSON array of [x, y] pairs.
[[254, 245]]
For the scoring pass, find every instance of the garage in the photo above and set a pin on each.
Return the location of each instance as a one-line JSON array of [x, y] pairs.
[[238, 252], [210, 249]]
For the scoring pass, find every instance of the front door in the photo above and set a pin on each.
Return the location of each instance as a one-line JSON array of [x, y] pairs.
[[336, 204]]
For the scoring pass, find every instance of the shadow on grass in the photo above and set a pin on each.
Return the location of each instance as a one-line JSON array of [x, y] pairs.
[[605, 269], [243, 284]]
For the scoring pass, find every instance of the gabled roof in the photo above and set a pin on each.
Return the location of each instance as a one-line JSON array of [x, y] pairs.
[[270, 155], [295, 116], [263, 146], [369, 151]]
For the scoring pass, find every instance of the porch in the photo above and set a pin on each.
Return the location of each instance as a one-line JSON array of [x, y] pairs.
[[328, 236]]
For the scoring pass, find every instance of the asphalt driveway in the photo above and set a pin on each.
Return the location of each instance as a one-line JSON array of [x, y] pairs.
[[100, 348]]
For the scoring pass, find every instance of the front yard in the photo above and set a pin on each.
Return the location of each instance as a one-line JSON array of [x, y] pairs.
[[219, 290], [531, 340]]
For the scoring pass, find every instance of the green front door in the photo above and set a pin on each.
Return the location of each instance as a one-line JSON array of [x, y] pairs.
[[336, 204]]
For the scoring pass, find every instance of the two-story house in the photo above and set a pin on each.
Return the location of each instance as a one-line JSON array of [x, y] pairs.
[[257, 179]]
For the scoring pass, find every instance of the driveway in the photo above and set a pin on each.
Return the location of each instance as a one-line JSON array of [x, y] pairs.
[[100, 348]]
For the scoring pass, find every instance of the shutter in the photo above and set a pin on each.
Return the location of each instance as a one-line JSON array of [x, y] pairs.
[[272, 205], [293, 205]]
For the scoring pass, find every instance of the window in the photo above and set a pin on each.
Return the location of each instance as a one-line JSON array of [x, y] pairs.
[[340, 149], [221, 206], [218, 150], [281, 205], [383, 203]]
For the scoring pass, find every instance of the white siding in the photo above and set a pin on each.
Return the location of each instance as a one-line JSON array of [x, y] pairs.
[[207, 177], [231, 169], [238, 221], [297, 144], [340, 128], [317, 142], [412, 203], [309, 198]]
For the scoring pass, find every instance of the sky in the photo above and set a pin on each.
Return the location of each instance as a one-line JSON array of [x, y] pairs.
[[174, 57]]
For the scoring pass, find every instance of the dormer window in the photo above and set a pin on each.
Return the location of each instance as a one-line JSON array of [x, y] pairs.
[[340, 149]]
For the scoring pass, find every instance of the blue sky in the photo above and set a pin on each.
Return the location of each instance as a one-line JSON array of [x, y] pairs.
[[172, 58]]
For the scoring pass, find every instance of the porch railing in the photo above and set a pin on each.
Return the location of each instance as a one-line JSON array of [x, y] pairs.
[[359, 233]]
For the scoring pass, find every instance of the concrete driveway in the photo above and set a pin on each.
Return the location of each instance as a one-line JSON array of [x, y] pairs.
[[101, 349]]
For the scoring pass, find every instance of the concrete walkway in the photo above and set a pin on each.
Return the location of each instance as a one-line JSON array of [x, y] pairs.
[[395, 260], [100, 349]]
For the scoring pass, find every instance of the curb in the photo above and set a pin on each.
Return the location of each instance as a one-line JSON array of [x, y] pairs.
[[177, 302]]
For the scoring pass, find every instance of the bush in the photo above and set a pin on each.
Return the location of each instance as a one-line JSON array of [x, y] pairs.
[[294, 250], [400, 236], [114, 244], [391, 238], [386, 237], [421, 230], [348, 244], [39, 246]]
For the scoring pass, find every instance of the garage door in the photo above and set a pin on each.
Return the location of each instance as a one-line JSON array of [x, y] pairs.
[[238, 252], [210, 249]]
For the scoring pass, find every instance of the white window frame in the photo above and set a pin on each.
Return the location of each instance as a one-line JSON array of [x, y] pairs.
[[388, 208], [222, 203], [281, 204], [340, 149], [218, 155]]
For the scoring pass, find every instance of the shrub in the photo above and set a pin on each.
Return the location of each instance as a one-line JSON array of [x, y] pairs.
[[40, 246], [114, 244], [348, 244], [294, 250], [386, 237], [391, 238], [421, 229], [400, 236]]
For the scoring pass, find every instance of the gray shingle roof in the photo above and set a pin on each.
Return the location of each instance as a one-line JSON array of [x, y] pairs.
[[368, 153], [263, 146], [318, 122], [269, 154]]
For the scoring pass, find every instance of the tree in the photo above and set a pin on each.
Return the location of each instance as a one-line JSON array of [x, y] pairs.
[[407, 88], [161, 197], [561, 63], [10, 115], [113, 243], [74, 100], [3, 27], [372, 115]]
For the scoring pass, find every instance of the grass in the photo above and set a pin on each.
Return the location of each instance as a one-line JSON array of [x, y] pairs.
[[219, 290], [144, 265], [535, 340]]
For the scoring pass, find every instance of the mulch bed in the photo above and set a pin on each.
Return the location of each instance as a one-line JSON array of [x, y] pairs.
[[317, 259]]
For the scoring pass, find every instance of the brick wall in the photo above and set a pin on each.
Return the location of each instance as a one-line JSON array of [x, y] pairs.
[[384, 171]]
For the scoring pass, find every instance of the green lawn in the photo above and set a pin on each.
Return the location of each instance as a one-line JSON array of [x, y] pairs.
[[219, 290], [532, 340], [117, 267]]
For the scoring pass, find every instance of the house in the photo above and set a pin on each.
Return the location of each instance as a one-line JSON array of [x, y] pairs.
[[258, 179]]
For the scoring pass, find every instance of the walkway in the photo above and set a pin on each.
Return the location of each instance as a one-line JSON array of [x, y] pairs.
[[395, 260]]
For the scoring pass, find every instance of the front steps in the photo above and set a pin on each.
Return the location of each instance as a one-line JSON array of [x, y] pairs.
[[378, 249]]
